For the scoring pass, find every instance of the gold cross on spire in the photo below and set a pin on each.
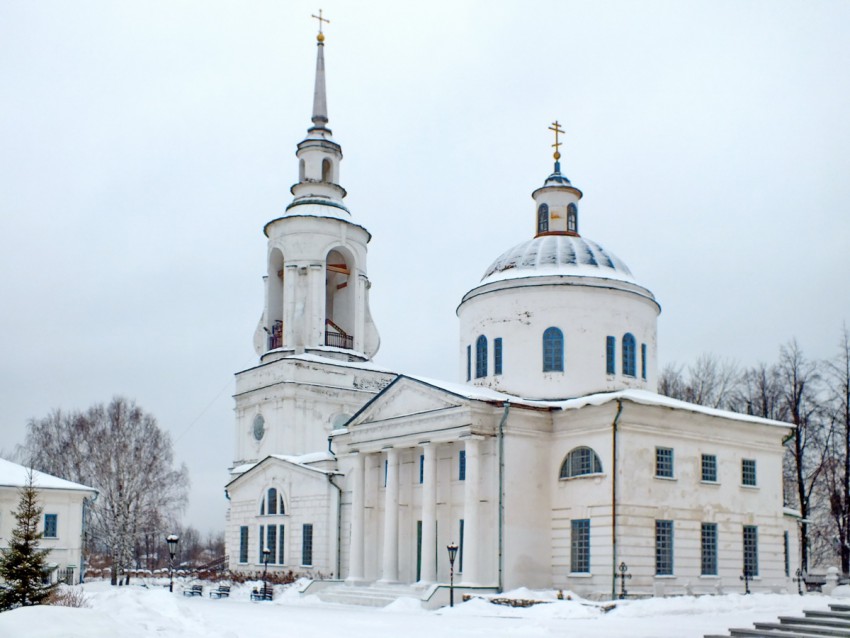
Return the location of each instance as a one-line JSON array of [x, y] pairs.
[[321, 36], [557, 128]]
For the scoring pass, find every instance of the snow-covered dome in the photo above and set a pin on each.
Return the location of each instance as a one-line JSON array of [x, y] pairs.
[[557, 255]]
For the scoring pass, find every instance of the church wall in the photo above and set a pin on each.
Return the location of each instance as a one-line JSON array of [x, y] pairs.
[[586, 316], [528, 485]]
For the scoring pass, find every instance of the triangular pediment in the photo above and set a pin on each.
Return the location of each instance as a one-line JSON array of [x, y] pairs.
[[407, 397]]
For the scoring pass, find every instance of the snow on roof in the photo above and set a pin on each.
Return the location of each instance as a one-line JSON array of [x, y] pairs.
[[557, 255], [645, 397], [304, 461], [14, 475], [357, 365]]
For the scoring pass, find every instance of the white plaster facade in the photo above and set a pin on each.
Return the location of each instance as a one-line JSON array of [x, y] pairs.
[[64, 502], [558, 360]]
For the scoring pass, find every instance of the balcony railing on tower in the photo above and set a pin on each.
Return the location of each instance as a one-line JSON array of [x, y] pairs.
[[337, 337]]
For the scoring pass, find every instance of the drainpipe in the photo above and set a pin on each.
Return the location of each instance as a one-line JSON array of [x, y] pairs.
[[614, 498], [338, 514], [502, 423], [338, 525]]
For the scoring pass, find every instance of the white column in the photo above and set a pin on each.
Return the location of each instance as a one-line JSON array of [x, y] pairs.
[[472, 497], [390, 563], [428, 572], [355, 555]]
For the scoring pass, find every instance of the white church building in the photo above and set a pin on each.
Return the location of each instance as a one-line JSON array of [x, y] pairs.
[[551, 462]]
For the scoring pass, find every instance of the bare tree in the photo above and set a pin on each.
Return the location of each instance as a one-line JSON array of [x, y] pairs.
[[837, 471], [709, 381], [120, 450], [760, 393], [808, 445]]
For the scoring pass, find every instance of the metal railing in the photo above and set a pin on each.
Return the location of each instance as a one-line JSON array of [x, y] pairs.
[[339, 341]]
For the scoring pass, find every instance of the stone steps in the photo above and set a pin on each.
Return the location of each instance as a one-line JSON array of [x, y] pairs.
[[834, 623], [370, 596]]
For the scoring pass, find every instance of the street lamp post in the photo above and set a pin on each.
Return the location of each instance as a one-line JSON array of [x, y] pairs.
[[172, 540], [452, 547], [266, 552]]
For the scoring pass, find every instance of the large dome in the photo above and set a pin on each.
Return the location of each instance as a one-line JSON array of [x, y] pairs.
[[557, 255]]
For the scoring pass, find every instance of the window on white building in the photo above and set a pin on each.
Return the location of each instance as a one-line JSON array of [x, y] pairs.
[[664, 462], [553, 350], [751, 550], [51, 525], [610, 355], [709, 468], [663, 548], [461, 465], [243, 544], [307, 545], [748, 472], [481, 357], [581, 461], [580, 546], [629, 355], [709, 549]]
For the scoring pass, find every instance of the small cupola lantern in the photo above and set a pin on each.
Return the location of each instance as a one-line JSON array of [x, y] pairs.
[[557, 199]]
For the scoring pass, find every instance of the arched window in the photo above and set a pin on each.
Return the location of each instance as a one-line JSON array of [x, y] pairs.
[[629, 354], [581, 461], [543, 218], [572, 218], [553, 350], [326, 171], [481, 357], [272, 503]]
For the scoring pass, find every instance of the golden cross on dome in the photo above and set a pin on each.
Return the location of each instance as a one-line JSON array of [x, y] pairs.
[[320, 19], [557, 128]]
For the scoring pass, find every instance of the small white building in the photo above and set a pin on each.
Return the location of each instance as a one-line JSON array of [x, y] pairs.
[[552, 462], [62, 521]]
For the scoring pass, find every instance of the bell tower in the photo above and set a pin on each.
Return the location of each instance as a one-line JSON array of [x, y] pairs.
[[317, 289]]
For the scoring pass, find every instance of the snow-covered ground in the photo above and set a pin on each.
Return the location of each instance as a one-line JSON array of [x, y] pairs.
[[136, 611]]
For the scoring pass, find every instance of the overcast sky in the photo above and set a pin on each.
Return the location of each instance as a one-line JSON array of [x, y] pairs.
[[143, 146]]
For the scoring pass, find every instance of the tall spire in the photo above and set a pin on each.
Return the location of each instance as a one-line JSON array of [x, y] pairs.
[[320, 100]]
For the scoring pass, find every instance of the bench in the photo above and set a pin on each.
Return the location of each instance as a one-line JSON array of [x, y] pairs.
[[263, 593], [223, 591], [194, 590]]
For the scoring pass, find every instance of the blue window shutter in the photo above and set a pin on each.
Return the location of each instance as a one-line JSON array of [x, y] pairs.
[[629, 354], [643, 361], [461, 465], [610, 355], [468, 363], [553, 350], [497, 355], [481, 357]]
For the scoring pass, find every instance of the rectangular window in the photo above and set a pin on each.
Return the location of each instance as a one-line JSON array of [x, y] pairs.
[[461, 466], [460, 549], [307, 545], [709, 468], [281, 555], [497, 355], [421, 469], [418, 551], [580, 546], [243, 544], [468, 363], [262, 539], [610, 355], [663, 548], [748, 472], [785, 542], [664, 462], [709, 549], [386, 471], [50, 527], [271, 543], [751, 550], [643, 361]]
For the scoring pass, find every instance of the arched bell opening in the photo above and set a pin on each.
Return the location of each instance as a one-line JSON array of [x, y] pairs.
[[339, 299], [274, 315]]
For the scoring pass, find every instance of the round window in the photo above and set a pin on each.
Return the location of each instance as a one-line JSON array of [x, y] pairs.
[[259, 427]]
